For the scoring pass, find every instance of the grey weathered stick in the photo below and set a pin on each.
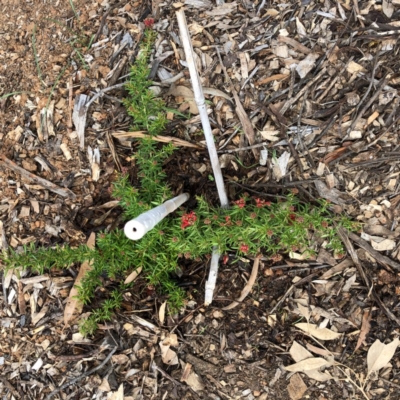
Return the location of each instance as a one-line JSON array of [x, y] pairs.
[[84, 375], [375, 254], [7, 163]]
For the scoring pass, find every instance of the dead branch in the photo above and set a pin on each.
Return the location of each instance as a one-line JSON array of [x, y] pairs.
[[7, 163], [381, 259]]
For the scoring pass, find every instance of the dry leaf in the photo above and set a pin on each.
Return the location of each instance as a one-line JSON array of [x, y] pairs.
[[304, 311], [299, 353], [308, 364], [380, 354], [313, 330], [365, 328], [74, 306], [386, 244], [387, 8], [133, 275], [161, 312], [186, 95]]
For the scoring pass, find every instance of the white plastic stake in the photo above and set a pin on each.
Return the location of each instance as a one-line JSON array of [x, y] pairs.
[[201, 105], [136, 228], [212, 151]]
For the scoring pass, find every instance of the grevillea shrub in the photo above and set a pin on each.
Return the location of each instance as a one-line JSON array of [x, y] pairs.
[[250, 225]]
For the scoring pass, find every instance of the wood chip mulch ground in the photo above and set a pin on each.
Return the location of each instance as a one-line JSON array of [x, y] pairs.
[[312, 84]]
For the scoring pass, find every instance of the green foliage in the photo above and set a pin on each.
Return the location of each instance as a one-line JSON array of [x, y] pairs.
[[147, 111], [249, 226]]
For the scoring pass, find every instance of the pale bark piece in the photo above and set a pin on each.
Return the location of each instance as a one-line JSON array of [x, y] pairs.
[[79, 117], [295, 44], [333, 195], [223, 9], [319, 333], [306, 65], [380, 354], [3, 239], [297, 387], [64, 148], [74, 306], [94, 160], [168, 356]]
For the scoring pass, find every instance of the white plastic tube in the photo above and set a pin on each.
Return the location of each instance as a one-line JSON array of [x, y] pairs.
[[136, 228]]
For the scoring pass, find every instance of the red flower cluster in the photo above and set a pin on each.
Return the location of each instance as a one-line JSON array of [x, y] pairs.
[[148, 22], [262, 203], [188, 219], [241, 203], [244, 248]]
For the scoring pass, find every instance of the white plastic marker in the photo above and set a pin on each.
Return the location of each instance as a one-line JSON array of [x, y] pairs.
[[136, 228]]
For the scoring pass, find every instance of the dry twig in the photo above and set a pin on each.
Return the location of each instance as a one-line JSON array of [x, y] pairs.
[[7, 163], [80, 377]]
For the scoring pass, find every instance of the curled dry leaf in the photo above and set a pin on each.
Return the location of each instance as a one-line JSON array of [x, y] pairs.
[[322, 334], [74, 306], [308, 364], [365, 328], [380, 354]]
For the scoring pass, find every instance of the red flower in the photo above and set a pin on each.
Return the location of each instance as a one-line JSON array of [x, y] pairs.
[[253, 215], [244, 248], [149, 22], [241, 202], [188, 219], [262, 203], [292, 217], [225, 259], [270, 233], [228, 220]]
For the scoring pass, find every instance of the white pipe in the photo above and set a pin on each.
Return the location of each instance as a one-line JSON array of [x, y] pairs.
[[212, 277], [136, 228], [201, 105]]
